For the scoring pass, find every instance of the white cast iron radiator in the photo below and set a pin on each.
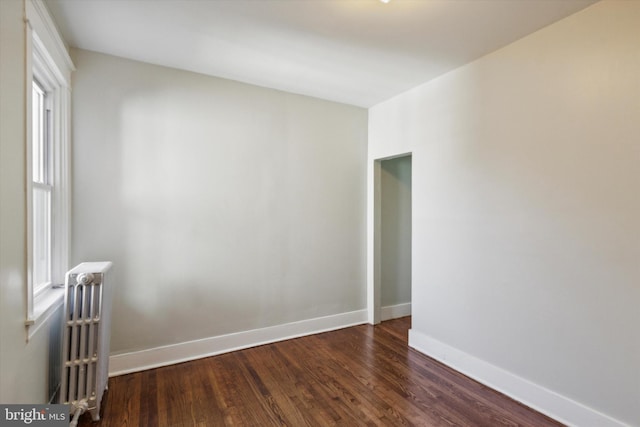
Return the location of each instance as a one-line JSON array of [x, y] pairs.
[[86, 334]]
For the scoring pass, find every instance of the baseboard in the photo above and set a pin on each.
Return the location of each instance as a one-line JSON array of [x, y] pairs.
[[136, 361], [395, 311], [548, 402]]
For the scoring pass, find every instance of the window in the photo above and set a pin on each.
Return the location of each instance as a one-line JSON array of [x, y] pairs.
[[41, 188], [47, 143]]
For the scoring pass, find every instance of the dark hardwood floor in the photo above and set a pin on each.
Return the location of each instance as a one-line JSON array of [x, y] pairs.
[[358, 376]]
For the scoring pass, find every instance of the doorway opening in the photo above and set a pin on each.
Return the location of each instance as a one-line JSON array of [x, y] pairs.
[[392, 238]]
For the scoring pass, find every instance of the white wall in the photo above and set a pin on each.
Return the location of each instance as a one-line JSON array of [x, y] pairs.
[[23, 366], [395, 231], [526, 212], [225, 207]]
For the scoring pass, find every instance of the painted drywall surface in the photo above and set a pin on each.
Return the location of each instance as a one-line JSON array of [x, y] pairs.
[[395, 182], [23, 366], [225, 207], [526, 206]]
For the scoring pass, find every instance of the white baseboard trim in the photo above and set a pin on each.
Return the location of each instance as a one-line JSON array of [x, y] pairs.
[[543, 400], [395, 311], [136, 361]]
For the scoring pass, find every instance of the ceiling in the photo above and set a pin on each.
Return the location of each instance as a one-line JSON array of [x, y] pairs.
[[358, 52]]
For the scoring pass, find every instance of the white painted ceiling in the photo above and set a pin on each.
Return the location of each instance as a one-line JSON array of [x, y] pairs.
[[357, 52]]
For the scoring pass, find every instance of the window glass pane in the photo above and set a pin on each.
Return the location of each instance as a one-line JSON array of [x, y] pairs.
[[41, 221], [38, 133], [41, 237]]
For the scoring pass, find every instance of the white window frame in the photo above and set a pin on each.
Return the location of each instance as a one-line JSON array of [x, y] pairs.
[[48, 62]]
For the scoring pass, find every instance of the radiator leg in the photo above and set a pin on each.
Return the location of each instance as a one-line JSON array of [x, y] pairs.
[[81, 407], [95, 414]]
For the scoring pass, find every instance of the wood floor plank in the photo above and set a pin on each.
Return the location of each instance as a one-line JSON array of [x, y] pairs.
[[359, 376], [149, 399]]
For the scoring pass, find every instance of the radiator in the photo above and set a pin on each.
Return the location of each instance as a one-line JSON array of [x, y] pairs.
[[86, 333]]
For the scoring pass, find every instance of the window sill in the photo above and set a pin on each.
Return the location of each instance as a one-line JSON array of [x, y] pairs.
[[44, 306]]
